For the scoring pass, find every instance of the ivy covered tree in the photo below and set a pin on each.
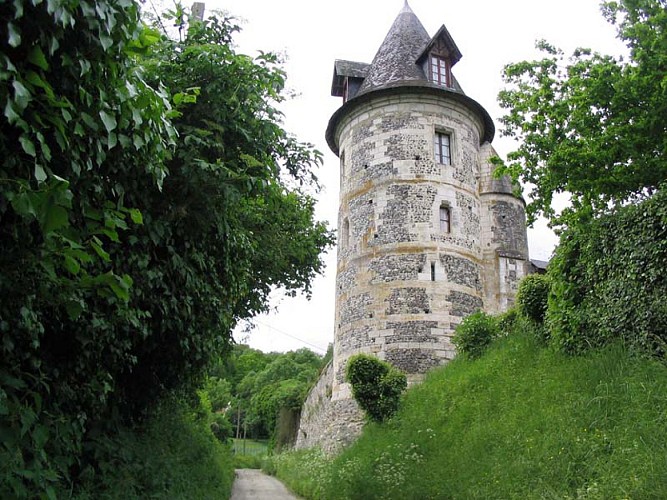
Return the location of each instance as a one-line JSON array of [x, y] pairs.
[[593, 126], [128, 252]]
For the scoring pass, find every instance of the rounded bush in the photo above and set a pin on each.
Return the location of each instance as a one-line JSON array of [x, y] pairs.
[[475, 333], [532, 296], [376, 386]]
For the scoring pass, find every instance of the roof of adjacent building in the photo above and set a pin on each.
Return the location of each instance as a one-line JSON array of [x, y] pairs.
[[343, 69], [540, 264]]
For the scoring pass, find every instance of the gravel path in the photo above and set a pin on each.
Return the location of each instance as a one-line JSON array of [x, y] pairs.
[[251, 484]]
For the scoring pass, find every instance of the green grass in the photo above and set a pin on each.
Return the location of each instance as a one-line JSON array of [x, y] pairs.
[[250, 447], [249, 453], [520, 422]]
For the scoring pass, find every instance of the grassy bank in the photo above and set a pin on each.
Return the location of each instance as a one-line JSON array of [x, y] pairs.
[[521, 422], [174, 455]]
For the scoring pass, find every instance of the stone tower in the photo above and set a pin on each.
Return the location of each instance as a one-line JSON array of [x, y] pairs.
[[426, 234]]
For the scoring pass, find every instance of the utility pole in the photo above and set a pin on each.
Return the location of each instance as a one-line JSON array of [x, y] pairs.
[[197, 11]]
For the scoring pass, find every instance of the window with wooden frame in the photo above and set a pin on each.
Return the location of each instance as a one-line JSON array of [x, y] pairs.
[[445, 219], [441, 71], [443, 149]]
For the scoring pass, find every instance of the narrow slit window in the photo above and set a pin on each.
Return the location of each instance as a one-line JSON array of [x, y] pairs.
[[443, 151], [345, 237], [342, 167], [432, 271], [445, 219]]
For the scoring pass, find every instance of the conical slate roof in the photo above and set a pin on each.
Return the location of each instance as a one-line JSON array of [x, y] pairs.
[[396, 58]]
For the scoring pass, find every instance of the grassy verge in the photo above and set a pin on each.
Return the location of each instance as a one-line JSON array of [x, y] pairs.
[[306, 472], [249, 453], [520, 422], [174, 456]]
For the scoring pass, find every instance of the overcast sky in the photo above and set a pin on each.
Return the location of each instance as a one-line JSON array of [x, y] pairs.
[[312, 34]]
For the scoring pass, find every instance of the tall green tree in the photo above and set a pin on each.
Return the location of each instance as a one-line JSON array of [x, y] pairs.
[[78, 125], [592, 126], [129, 253]]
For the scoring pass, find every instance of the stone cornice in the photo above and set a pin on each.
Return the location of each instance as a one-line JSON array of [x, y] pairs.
[[409, 87]]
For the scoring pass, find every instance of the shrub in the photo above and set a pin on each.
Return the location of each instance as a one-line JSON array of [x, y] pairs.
[[507, 321], [376, 386], [475, 333], [532, 296]]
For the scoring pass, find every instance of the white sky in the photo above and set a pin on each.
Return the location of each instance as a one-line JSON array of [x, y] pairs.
[[312, 34]]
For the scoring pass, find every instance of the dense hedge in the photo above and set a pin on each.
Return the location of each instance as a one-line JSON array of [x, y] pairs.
[[532, 296], [608, 280]]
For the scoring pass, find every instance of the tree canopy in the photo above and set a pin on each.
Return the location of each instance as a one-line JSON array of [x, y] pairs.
[[259, 385], [149, 199], [592, 126]]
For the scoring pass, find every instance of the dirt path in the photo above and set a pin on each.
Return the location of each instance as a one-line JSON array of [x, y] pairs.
[[253, 484]]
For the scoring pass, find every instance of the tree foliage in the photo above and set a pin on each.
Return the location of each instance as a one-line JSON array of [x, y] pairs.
[[593, 126], [261, 386], [128, 253], [376, 385]]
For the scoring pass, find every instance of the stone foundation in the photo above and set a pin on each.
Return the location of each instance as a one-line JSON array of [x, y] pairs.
[[328, 424]]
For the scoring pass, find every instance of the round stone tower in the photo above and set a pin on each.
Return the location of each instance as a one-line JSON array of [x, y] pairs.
[[423, 226], [426, 234]]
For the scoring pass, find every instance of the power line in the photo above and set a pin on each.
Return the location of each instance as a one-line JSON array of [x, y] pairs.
[[287, 334]]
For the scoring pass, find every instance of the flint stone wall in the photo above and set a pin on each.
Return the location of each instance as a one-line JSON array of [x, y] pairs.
[[331, 425], [403, 282]]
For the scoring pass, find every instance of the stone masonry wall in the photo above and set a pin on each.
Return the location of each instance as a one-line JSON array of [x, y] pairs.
[[328, 424], [404, 281], [504, 240]]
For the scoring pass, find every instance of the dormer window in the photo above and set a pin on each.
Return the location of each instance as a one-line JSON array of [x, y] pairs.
[[440, 71]]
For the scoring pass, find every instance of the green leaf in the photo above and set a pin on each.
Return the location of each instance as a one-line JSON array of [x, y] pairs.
[[23, 204], [106, 41], [36, 57], [121, 286], [40, 436], [97, 246], [55, 218], [40, 174], [72, 265], [14, 38], [10, 113], [88, 120], [28, 146], [136, 216], [109, 121], [20, 91], [74, 308], [35, 79]]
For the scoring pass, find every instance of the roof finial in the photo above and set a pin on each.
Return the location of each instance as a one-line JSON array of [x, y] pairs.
[[406, 8]]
